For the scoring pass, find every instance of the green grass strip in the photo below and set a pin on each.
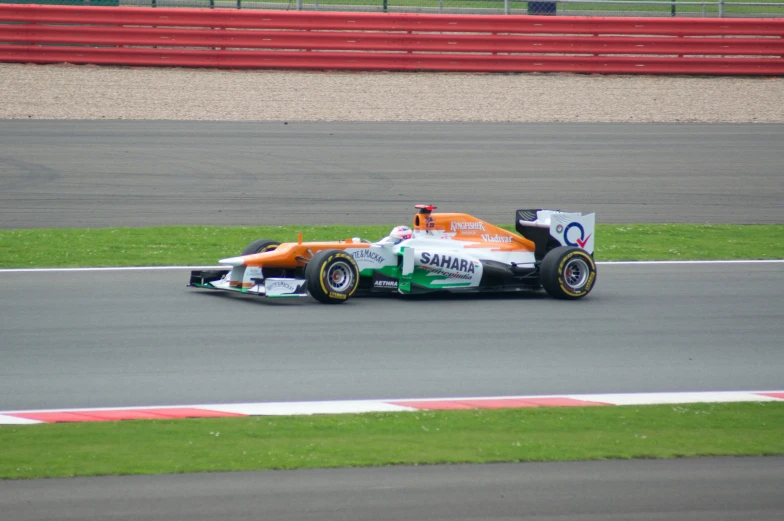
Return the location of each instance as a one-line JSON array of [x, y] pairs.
[[204, 245], [419, 438]]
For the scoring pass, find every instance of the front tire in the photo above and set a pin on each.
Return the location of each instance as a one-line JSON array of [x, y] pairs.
[[568, 273], [260, 246], [332, 276]]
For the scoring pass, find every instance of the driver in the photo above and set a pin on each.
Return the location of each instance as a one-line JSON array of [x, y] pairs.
[[401, 233], [397, 235]]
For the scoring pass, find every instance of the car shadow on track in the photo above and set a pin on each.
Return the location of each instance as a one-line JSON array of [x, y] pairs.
[[528, 295], [287, 301]]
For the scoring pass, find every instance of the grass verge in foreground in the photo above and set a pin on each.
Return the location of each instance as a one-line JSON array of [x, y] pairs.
[[204, 245], [416, 438]]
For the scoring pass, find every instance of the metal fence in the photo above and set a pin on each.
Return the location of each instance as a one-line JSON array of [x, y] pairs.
[[671, 8]]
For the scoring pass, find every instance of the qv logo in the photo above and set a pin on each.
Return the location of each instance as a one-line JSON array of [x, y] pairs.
[[579, 240]]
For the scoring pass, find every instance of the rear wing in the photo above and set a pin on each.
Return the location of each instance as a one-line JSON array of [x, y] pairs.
[[549, 228]]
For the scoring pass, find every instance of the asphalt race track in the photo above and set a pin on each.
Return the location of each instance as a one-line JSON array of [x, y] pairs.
[[90, 339], [715, 489], [144, 173], [130, 338]]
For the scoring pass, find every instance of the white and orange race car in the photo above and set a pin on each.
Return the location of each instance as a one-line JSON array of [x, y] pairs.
[[441, 252]]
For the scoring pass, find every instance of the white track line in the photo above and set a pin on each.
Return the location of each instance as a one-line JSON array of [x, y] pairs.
[[162, 268]]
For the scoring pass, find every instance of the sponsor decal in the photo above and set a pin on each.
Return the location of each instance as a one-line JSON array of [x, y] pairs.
[[582, 240], [495, 238], [467, 226], [429, 223], [589, 284], [368, 255], [385, 284], [339, 296], [559, 228], [281, 285], [436, 260], [438, 272]]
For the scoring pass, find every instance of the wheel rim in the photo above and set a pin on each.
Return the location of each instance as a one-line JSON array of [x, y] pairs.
[[340, 277], [576, 273]]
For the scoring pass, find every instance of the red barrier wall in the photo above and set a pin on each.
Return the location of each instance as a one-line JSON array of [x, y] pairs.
[[229, 38]]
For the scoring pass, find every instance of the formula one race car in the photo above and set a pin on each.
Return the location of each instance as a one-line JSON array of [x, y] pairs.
[[450, 252]]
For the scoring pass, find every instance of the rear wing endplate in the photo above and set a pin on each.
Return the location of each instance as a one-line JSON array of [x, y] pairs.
[[567, 228]]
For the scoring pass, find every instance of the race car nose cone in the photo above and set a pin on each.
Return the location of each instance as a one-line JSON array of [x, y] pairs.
[[233, 261]]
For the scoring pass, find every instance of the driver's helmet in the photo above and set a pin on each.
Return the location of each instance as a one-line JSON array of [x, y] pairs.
[[401, 233]]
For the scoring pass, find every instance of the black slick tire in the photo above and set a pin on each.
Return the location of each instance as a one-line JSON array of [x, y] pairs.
[[260, 246], [332, 276], [567, 273]]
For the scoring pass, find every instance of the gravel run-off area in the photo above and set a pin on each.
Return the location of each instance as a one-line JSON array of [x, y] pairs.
[[92, 92]]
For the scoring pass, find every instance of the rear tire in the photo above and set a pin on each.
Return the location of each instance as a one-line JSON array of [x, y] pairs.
[[260, 246], [332, 276], [568, 273]]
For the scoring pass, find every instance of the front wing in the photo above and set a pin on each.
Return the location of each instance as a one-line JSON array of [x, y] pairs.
[[272, 287]]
